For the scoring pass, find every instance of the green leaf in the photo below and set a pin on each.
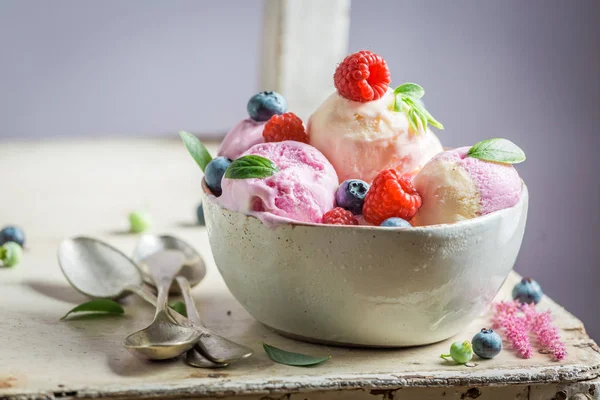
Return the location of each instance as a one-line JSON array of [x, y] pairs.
[[411, 90], [407, 101], [97, 306], [196, 149], [422, 113], [398, 104], [412, 120], [251, 166], [293, 359], [498, 150], [179, 306]]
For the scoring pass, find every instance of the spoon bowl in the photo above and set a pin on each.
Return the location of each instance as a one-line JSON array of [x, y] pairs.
[[96, 269], [162, 339], [194, 268]]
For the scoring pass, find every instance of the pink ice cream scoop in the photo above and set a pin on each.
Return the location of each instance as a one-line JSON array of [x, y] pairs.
[[244, 135], [455, 187], [303, 190]]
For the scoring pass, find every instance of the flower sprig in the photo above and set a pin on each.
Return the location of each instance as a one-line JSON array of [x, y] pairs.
[[518, 320], [407, 99]]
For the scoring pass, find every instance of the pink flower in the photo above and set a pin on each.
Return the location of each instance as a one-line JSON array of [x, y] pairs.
[[545, 332], [514, 325], [517, 320]]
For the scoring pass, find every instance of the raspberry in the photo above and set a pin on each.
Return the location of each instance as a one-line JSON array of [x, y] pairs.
[[339, 216], [287, 126], [362, 76], [390, 195]]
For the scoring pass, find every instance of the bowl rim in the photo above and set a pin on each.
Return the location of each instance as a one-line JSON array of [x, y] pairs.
[[416, 229]]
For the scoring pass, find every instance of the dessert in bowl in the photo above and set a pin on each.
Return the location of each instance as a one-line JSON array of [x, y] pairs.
[[373, 236]]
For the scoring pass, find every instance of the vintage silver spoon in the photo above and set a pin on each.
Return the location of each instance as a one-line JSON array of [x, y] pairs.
[[193, 356], [194, 268], [163, 338], [98, 270]]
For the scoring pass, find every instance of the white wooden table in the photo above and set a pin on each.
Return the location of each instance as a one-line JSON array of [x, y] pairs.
[[60, 189]]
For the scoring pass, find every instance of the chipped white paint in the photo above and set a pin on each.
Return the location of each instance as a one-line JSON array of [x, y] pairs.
[[304, 40], [88, 187]]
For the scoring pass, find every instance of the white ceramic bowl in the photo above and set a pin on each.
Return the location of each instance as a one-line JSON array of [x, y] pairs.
[[365, 286]]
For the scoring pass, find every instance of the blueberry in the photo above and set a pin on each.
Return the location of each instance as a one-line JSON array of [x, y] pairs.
[[487, 343], [351, 194], [213, 174], [12, 234], [396, 223], [527, 291], [200, 215], [264, 105]]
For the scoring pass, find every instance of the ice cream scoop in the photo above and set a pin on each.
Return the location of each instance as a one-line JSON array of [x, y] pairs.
[[242, 136], [362, 139], [302, 190], [455, 187]]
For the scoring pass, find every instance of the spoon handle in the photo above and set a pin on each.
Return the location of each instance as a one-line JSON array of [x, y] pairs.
[[192, 311], [146, 294], [163, 266]]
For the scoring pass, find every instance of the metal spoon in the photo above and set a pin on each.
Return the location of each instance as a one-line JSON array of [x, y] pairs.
[[193, 356], [194, 268], [228, 351], [163, 338], [98, 270]]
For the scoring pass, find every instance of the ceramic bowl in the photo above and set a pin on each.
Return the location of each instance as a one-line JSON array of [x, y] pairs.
[[365, 286]]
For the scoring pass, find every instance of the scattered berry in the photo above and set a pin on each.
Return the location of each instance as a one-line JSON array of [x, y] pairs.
[[461, 352], [139, 221], [287, 126], [527, 291], [487, 343], [396, 223], [391, 195], [264, 105], [12, 234], [200, 215], [351, 194], [10, 254], [213, 174], [339, 216], [362, 76]]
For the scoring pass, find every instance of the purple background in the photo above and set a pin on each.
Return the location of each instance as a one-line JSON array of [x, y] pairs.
[[527, 71]]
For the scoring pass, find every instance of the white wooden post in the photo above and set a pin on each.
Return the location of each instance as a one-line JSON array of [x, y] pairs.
[[303, 41]]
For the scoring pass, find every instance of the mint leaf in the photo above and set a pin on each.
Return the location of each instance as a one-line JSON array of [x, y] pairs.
[[251, 166], [398, 104], [498, 150], [420, 108], [406, 100], [412, 120], [422, 114], [97, 306], [411, 90], [293, 359], [196, 149], [179, 306]]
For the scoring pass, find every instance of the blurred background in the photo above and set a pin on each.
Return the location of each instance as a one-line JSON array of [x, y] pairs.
[[527, 71]]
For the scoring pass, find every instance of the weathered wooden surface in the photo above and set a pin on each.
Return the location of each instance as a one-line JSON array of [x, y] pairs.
[[60, 189]]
